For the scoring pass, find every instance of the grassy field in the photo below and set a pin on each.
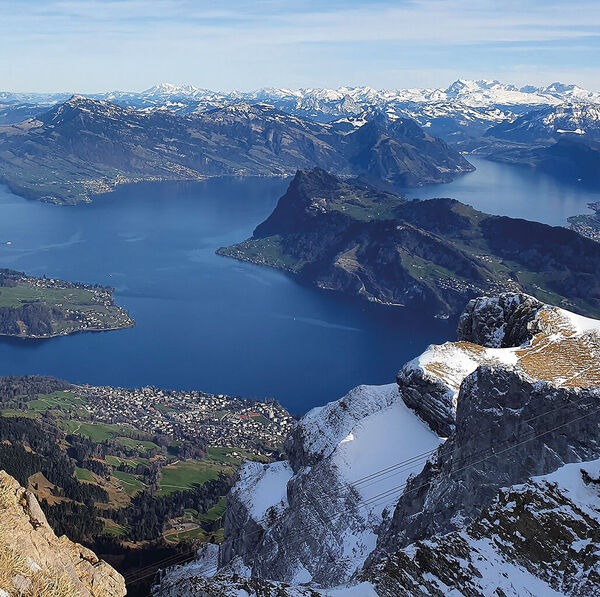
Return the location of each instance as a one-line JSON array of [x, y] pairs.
[[71, 298], [113, 529], [216, 512], [64, 402], [130, 483], [225, 456], [185, 474], [141, 446], [13, 412], [97, 432], [199, 534], [82, 474], [133, 462]]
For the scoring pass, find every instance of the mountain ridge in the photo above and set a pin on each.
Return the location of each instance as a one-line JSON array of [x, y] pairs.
[[478, 512], [435, 254], [85, 146]]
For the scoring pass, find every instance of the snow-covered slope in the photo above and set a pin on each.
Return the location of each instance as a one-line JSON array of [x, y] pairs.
[[537, 539], [551, 124], [318, 524], [375, 503]]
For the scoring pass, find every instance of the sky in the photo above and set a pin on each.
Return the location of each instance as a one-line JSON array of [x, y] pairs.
[[91, 46]]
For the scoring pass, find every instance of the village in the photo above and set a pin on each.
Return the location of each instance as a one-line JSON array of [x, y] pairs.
[[257, 427], [43, 307]]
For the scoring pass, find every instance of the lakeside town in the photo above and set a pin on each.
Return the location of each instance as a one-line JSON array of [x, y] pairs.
[[258, 427]]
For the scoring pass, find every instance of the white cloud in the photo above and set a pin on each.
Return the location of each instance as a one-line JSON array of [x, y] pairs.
[[230, 44]]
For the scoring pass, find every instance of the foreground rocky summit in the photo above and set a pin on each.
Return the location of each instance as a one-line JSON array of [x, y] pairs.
[[478, 474], [34, 562]]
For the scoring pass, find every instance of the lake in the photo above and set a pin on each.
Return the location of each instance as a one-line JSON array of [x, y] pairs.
[[214, 324]]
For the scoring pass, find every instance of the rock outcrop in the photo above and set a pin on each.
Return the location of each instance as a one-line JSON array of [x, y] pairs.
[[514, 331], [501, 322], [539, 538], [35, 562], [508, 429]]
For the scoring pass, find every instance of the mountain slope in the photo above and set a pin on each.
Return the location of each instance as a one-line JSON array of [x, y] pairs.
[[551, 124], [84, 146], [433, 254], [563, 141], [535, 539], [507, 501]]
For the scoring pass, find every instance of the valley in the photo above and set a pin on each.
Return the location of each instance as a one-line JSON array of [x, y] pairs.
[[147, 469]]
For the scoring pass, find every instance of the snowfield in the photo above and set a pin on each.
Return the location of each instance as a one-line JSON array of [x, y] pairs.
[[262, 487]]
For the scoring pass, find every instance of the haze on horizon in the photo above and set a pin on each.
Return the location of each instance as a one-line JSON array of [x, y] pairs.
[[94, 45]]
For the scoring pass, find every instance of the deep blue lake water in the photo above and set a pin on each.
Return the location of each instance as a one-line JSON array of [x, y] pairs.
[[211, 323]]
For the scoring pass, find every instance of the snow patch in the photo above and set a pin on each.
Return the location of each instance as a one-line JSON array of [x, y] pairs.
[[263, 486]]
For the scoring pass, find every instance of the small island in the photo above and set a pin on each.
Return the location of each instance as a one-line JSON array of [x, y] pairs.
[[33, 307], [587, 224]]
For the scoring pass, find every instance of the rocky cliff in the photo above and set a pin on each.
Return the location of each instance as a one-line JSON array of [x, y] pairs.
[[488, 485], [35, 562], [539, 538]]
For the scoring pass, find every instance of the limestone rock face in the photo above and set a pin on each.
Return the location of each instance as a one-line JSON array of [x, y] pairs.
[[314, 519], [35, 562], [537, 538], [513, 331], [478, 474], [508, 429], [499, 322], [232, 586]]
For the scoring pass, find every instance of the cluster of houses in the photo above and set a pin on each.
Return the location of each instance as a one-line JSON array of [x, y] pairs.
[[220, 420], [107, 316]]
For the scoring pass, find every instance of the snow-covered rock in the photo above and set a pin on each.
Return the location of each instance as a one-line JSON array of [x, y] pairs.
[[551, 124], [536, 539], [324, 528], [515, 331], [375, 503]]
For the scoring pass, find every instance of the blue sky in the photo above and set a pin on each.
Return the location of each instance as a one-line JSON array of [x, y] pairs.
[[97, 45]]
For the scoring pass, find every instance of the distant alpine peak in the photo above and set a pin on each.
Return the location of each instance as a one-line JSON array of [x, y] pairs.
[[79, 99], [170, 89]]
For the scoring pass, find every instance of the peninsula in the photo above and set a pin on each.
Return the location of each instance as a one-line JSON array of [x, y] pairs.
[[33, 307], [349, 237]]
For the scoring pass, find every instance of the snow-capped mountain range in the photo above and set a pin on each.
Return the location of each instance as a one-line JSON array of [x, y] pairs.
[[343, 100], [551, 123], [490, 98]]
